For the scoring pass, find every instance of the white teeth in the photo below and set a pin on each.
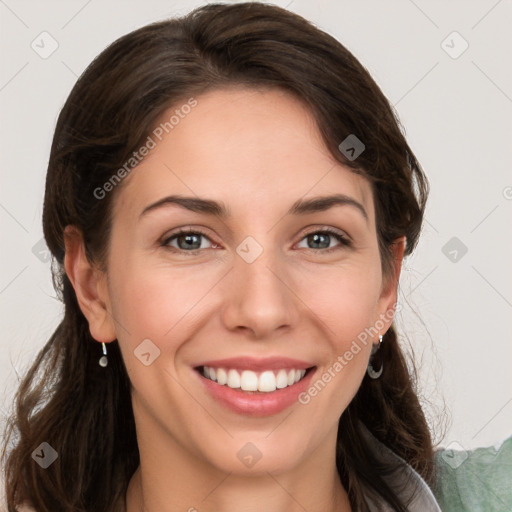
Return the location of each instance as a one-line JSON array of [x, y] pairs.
[[266, 381], [249, 381], [222, 376], [281, 379], [233, 379]]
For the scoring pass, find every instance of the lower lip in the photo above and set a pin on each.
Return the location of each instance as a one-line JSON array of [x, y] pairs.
[[257, 403]]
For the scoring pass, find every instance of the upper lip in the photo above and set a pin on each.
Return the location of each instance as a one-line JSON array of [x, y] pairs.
[[257, 363]]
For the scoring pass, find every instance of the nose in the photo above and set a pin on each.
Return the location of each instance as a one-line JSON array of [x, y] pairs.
[[259, 297]]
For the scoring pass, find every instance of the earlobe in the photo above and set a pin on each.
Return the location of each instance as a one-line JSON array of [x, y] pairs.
[[89, 284]]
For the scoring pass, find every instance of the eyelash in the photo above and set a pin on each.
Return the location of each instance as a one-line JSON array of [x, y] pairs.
[[344, 241]]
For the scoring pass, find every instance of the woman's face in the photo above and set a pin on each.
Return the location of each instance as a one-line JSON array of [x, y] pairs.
[[252, 294]]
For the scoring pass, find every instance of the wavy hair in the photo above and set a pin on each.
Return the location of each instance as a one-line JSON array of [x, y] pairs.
[[84, 411]]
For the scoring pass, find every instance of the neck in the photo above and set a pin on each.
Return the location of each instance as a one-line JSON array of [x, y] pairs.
[[270, 492]]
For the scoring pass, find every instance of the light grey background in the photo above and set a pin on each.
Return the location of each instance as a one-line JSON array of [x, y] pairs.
[[457, 115]]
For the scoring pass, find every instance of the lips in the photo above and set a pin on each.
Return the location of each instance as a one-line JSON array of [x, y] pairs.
[[255, 386]]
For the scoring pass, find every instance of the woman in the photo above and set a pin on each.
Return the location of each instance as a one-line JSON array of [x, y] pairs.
[[228, 202]]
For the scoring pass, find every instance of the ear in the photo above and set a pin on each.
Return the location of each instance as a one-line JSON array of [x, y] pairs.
[[388, 297], [90, 285]]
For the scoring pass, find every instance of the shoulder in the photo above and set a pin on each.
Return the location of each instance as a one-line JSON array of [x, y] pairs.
[[477, 479]]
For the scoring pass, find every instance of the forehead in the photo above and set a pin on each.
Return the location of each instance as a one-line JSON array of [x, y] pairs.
[[256, 150]]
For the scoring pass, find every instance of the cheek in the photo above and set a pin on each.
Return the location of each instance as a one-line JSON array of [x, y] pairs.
[[345, 298], [345, 302], [151, 301]]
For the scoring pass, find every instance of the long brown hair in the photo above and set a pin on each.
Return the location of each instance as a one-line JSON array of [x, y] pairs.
[[84, 411]]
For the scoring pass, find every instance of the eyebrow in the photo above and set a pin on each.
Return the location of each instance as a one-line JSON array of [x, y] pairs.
[[220, 210]]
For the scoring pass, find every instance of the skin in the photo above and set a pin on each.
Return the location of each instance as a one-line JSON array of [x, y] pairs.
[[257, 151]]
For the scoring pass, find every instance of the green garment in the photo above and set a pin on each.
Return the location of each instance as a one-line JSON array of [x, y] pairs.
[[475, 481]]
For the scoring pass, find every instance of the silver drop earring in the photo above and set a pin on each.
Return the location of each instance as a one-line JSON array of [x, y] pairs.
[[371, 372], [103, 359]]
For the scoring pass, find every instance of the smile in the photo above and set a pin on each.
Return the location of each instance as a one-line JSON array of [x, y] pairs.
[[255, 386], [266, 381]]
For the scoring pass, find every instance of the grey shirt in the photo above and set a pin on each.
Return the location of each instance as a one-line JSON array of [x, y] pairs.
[[407, 483]]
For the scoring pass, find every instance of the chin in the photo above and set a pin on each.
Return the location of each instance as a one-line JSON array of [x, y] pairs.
[[255, 458]]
